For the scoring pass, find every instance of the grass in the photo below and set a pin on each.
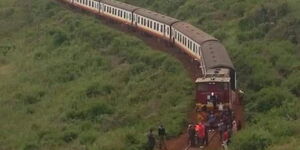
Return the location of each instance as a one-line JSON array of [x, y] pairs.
[[69, 82]]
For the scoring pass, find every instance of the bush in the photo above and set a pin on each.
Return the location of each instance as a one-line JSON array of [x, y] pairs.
[[268, 98], [251, 139], [88, 137], [69, 136]]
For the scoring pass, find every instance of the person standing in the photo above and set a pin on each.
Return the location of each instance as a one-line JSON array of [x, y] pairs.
[[206, 133], [234, 127], [162, 137], [191, 133], [200, 129], [221, 128], [213, 99], [151, 140]]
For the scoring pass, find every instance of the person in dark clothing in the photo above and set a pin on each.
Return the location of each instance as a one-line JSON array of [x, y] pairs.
[[206, 133], [213, 99], [221, 128], [162, 137], [211, 120], [151, 140], [191, 133]]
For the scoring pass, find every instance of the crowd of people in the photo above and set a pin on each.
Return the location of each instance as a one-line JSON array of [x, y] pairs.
[[225, 125], [220, 119]]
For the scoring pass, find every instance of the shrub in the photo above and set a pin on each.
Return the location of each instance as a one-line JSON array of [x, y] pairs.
[[88, 137], [30, 147], [69, 136], [251, 139], [268, 98]]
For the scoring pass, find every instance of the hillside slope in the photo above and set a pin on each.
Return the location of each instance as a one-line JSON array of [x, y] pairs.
[[263, 39], [69, 82]]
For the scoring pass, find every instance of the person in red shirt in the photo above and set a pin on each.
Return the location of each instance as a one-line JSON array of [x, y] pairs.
[[200, 132]]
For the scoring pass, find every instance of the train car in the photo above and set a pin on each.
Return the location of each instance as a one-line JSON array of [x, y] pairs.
[[91, 5], [190, 39], [118, 11], [152, 22]]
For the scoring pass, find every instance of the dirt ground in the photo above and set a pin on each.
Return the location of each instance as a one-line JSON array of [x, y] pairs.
[[192, 67]]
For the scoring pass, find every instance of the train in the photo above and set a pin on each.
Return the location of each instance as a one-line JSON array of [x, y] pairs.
[[218, 75]]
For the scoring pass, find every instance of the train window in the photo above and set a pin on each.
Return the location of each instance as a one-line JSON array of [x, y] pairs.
[[179, 37], [194, 47], [199, 50], [92, 4], [154, 26], [168, 30], [185, 42], [129, 16], [148, 25], [162, 28], [104, 7]]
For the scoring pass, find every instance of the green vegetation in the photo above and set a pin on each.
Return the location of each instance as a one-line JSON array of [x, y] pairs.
[[69, 82], [263, 39]]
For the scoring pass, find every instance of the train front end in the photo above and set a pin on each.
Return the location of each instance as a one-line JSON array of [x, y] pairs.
[[213, 89]]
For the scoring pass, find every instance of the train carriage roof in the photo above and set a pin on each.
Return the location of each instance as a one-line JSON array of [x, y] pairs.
[[120, 5], [215, 55], [156, 16], [192, 32]]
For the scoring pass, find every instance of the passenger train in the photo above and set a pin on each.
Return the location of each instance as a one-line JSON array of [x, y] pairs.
[[218, 73]]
